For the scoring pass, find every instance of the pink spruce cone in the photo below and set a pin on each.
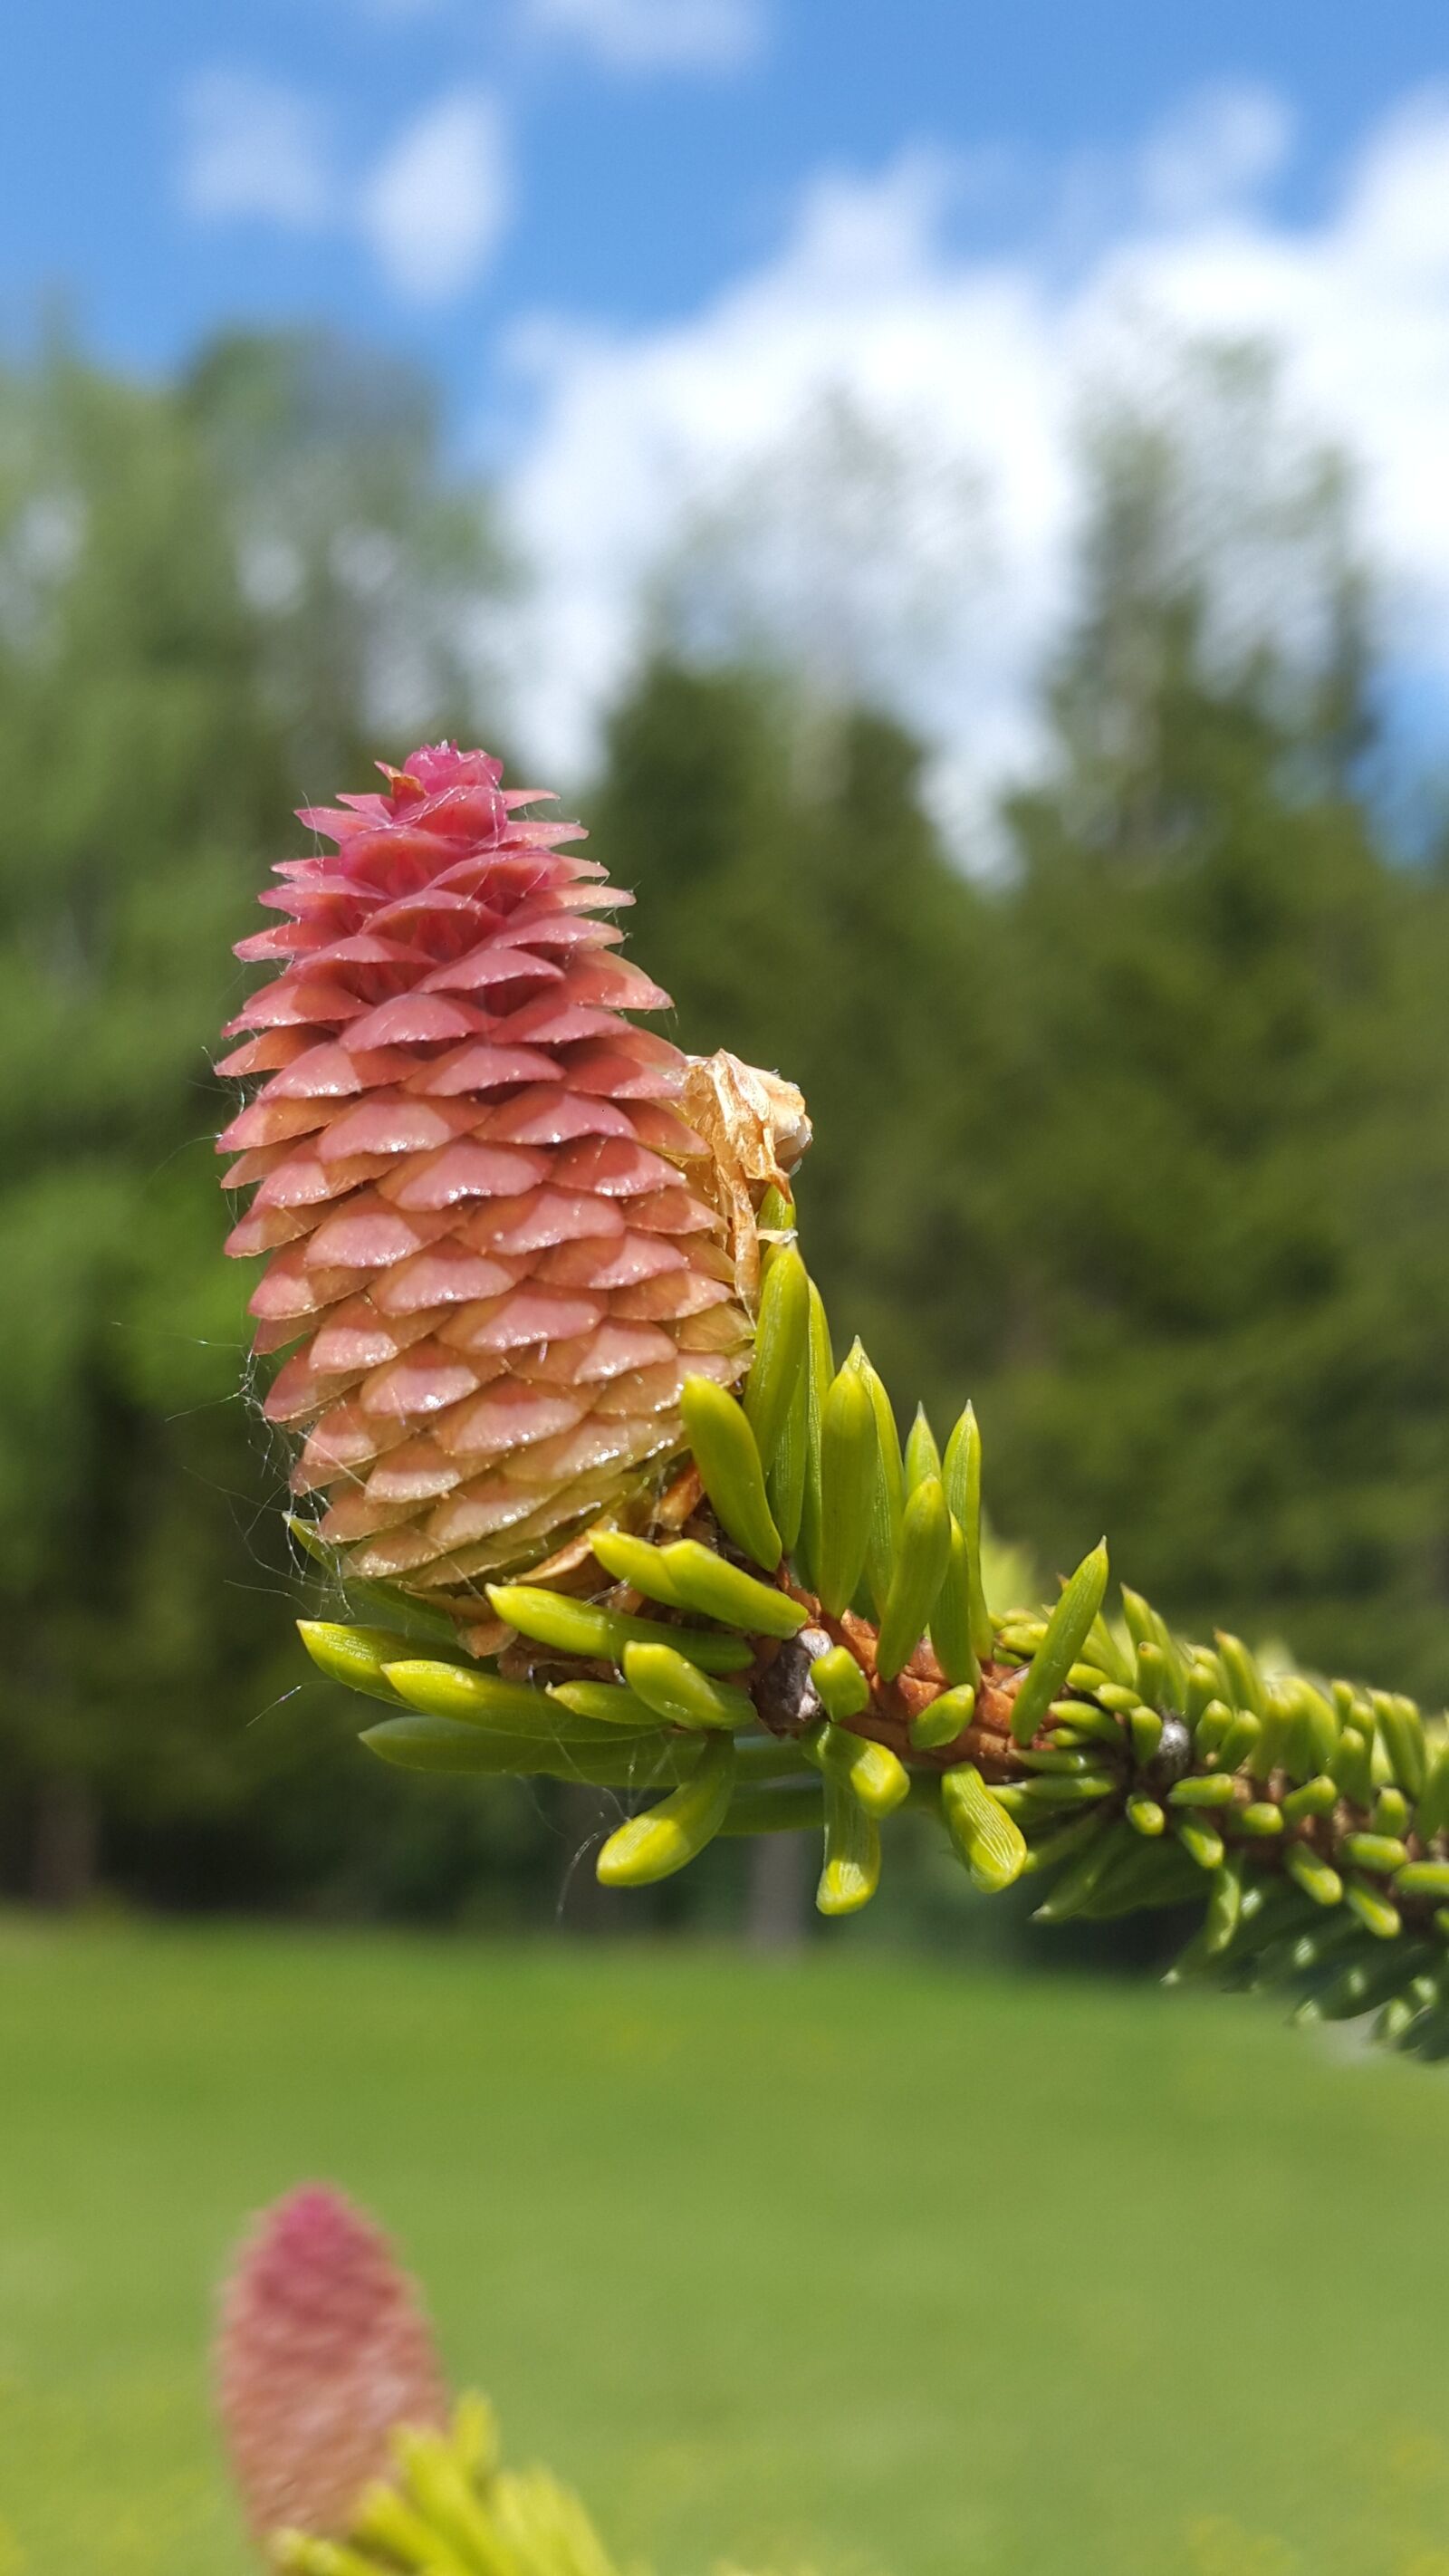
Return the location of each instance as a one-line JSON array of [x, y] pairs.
[[503, 1243], [324, 2349]]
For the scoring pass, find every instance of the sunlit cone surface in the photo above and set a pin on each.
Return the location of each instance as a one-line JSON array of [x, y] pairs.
[[494, 1238], [323, 2350]]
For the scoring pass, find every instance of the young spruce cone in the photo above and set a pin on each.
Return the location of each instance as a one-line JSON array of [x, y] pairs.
[[810, 1645], [324, 2349], [495, 1240], [341, 2441]]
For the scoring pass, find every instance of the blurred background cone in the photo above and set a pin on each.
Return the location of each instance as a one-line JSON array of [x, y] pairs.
[[323, 2349]]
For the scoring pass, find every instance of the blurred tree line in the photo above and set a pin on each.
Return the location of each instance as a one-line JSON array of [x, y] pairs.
[[1136, 1135]]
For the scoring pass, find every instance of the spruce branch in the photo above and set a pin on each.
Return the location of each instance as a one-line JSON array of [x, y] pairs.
[[574, 1410]]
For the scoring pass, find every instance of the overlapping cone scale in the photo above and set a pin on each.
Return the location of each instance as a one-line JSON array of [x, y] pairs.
[[495, 1244]]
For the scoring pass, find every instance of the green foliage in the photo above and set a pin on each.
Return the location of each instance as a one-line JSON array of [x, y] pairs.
[[1222, 1119], [160, 709]]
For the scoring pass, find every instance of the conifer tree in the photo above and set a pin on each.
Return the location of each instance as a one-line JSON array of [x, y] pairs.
[[1218, 1089]]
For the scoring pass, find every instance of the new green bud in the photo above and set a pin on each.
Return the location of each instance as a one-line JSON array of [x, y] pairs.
[[1161, 1681], [1144, 1727], [840, 1684], [1098, 1723], [847, 1487], [1203, 1789], [585, 1628], [731, 1468], [1352, 1766], [299, 2553], [1240, 1741], [961, 1476], [385, 2519], [781, 1336], [1312, 1874], [1103, 1649], [1066, 1761], [1391, 1812], [1423, 1878], [1315, 1732], [691, 1577], [435, 2480], [1066, 1633], [474, 1699], [1024, 1798], [1240, 1671], [679, 1692], [889, 1488], [851, 1871], [922, 1556], [1431, 1811], [1402, 1729], [1211, 1729], [356, 1656], [1373, 1909], [1203, 1684], [1200, 1840], [1380, 1854], [819, 1370], [609, 1756], [943, 1719], [874, 1775], [1145, 1816], [637, 1562], [951, 1635], [1317, 1797], [1277, 1735], [607, 1703], [989, 1841], [789, 1470], [1224, 1906], [922, 1458], [672, 1834]]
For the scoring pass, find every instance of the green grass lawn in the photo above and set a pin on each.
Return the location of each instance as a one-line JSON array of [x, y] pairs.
[[858, 2265]]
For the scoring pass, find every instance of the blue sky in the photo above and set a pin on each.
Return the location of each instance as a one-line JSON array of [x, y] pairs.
[[641, 176], [638, 239]]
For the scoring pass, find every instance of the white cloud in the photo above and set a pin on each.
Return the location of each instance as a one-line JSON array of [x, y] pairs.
[[657, 35], [436, 203], [430, 208], [253, 147], [1224, 143], [981, 361]]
